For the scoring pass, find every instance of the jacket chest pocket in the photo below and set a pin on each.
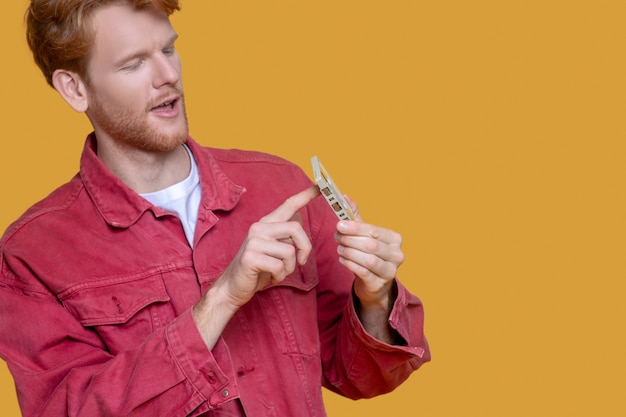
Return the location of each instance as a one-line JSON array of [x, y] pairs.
[[123, 312]]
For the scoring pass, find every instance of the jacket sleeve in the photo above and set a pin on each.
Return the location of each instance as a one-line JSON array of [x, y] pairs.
[[357, 365], [63, 369], [369, 367]]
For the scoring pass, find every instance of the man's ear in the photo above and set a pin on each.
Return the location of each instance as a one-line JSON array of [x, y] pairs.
[[72, 88]]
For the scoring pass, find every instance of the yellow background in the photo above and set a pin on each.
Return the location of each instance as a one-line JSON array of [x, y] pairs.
[[490, 133]]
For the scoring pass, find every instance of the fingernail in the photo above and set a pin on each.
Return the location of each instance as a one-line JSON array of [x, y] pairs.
[[342, 226]]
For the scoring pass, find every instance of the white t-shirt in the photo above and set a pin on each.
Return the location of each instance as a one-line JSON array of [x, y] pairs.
[[182, 199]]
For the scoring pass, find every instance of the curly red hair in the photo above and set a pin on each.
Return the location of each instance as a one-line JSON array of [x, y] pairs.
[[60, 33]]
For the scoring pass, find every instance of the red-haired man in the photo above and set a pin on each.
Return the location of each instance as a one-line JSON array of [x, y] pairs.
[[168, 278]]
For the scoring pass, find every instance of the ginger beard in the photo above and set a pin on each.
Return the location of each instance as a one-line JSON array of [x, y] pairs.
[[133, 129]]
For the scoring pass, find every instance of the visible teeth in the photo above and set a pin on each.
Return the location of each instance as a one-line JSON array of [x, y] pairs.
[[169, 104]]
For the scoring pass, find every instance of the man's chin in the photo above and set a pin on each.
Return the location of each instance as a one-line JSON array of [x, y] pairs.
[[166, 138], [166, 144]]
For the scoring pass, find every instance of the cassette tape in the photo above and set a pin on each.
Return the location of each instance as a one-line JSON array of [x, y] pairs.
[[330, 191]]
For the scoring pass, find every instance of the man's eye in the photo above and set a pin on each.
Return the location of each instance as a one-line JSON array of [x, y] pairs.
[[133, 66], [169, 51]]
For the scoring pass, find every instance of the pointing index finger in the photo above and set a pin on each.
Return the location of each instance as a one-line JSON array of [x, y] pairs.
[[290, 207]]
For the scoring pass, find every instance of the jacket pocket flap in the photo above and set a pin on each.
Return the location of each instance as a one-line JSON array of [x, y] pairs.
[[114, 303], [304, 278]]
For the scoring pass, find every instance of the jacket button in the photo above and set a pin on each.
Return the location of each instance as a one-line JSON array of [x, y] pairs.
[[225, 393]]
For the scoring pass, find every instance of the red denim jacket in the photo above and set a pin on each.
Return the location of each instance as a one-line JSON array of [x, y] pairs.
[[97, 285]]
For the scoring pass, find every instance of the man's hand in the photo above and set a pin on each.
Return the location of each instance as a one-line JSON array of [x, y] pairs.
[[270, 252], [374, 255]]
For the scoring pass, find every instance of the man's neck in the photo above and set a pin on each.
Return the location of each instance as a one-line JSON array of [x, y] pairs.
[[144, 171]]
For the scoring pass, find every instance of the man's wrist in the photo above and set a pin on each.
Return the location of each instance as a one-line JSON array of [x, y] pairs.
[[212, 313]]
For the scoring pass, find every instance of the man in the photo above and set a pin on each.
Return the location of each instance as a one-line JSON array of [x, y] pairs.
[[169, 279]]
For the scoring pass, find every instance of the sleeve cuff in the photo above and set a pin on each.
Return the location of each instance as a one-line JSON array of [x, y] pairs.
[[211, 373], [406, 318]]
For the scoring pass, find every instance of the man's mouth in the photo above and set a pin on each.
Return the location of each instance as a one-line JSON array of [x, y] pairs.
[[168, 105]]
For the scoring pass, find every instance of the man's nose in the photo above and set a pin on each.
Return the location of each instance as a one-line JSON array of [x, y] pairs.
[[166, 71]]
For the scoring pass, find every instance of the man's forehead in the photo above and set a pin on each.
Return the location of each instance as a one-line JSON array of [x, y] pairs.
[[122, 24]]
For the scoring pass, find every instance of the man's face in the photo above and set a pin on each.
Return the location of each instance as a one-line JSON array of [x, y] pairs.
[[134, 80]]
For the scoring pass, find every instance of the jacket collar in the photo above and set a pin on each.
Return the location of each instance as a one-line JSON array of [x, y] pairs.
[[120, 206]]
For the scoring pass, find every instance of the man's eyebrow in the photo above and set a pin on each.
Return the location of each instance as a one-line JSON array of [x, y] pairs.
[[172, 38]]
